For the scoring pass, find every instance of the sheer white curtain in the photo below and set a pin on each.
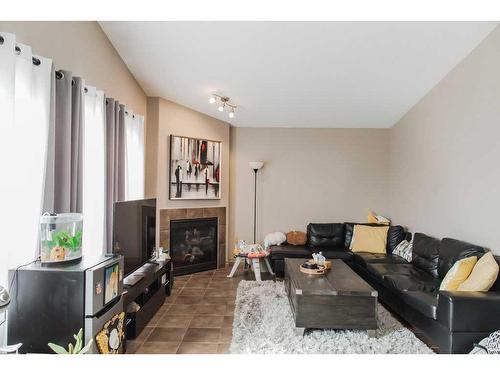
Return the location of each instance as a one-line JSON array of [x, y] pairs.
[[26, 85], [94, 173], [25, 95], [134, 156]]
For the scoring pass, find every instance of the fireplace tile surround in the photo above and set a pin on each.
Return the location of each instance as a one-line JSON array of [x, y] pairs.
[[168, 214]]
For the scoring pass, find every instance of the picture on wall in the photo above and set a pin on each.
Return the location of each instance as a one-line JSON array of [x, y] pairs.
[[195, 170]]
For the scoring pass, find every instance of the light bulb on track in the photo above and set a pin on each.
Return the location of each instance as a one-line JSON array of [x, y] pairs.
[[223, 103]]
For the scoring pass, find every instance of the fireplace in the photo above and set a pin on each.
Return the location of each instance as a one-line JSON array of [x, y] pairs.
[[194, 244], [169, 215]]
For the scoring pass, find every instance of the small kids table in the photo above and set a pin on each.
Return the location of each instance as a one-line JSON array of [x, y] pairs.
[[253, 261]]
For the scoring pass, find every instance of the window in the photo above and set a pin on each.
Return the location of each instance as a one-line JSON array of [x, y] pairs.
[[94, 173], [134, 155]]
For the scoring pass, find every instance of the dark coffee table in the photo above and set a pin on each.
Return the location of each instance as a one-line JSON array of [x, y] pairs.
[[338, 300]]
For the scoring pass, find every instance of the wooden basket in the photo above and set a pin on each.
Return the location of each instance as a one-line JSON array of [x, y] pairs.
[[321, 270]]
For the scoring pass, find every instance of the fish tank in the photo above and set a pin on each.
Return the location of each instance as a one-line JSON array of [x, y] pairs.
[[61, 237]]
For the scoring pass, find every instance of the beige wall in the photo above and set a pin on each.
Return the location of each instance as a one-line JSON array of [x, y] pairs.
[[83, 48], [176, 119], [445, 154], [310, 175]]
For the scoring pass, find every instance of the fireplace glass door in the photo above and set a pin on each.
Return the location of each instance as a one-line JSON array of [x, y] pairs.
[[193, 245]]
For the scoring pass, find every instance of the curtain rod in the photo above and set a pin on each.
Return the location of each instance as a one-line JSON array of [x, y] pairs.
[[59, 74], [36, 61]]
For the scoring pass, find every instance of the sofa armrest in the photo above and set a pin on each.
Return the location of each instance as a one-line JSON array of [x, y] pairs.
[[469, 311]]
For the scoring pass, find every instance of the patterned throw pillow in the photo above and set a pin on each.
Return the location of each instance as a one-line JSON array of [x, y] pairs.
[[493, 345], [404, 250]]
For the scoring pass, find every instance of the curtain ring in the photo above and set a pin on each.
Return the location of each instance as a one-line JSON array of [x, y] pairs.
[[36, 61], [59, 74], [18, 50], [2, 40], [85, 90]]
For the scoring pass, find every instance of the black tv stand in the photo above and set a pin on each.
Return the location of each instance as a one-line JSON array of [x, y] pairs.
[[148, 293], [132, 279]]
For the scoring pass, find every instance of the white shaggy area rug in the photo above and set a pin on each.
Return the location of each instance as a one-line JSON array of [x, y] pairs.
[[263, 323]]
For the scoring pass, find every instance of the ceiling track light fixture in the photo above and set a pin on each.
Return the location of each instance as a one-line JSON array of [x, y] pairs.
[[223, 102]]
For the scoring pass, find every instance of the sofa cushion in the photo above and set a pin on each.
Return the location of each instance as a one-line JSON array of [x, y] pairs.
[[364, 258], [414, 280], [424, 302], [395, 235], [381, 270], [425, 253], [325, 235], [338, 253], [452, 250], [289, 251], [496, 285]]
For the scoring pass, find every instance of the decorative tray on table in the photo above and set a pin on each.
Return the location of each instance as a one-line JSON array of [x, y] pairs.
[[312, 268]]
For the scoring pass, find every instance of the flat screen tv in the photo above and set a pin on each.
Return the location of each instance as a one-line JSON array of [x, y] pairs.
[[134, 232]]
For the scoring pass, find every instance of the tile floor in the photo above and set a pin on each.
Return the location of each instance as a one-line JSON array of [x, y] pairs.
[[196, 319]]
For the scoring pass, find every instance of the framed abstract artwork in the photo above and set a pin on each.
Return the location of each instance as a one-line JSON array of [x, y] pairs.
[[195, 168]]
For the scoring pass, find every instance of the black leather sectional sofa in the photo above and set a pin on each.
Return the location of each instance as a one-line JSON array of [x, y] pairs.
[[454, 321]]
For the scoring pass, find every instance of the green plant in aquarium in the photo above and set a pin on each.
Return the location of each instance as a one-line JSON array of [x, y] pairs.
[[64, 239], [78, 348]]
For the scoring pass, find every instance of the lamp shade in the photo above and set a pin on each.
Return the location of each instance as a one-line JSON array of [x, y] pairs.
[[256, 164]]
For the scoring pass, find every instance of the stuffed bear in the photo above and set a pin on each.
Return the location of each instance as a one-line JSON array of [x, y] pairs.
[[296, 237], [276, 238]]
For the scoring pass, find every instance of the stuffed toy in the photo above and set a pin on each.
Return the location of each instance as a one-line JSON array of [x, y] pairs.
[[276, 238], [296, 237], [372, 218]]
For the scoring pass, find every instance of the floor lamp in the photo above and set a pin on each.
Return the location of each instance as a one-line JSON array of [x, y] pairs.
[[255, 165]]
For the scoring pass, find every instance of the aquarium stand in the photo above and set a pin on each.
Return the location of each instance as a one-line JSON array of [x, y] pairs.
[[148, 293]]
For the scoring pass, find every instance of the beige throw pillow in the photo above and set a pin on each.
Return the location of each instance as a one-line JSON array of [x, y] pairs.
[[483, 275], [369, 239], [458, 273]]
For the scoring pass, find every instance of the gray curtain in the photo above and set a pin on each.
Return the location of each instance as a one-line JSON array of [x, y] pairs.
[[115, 162], [48, 199], [77, 123], [63, 185], [63, 191]]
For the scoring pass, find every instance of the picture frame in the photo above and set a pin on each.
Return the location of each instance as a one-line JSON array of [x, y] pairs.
[[195, 168]]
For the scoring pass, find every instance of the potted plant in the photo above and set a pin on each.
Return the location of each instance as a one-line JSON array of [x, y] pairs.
[[78, 348]]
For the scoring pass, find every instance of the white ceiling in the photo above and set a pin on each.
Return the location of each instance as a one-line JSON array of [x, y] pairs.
[[296, 74]]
